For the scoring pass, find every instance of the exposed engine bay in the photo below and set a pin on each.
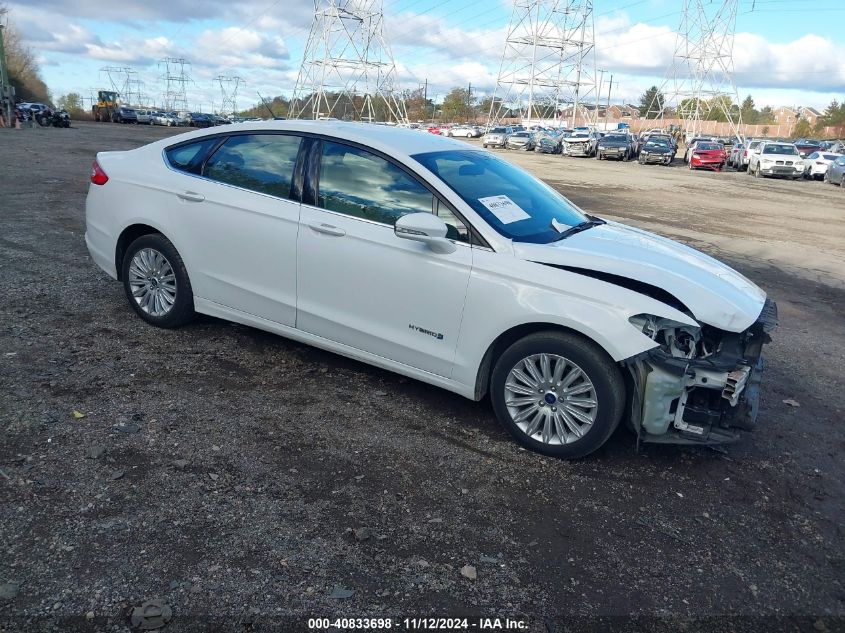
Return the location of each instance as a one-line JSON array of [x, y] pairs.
[[701, 384]]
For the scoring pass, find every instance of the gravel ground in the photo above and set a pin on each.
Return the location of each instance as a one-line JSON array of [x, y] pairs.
[[251, 482]]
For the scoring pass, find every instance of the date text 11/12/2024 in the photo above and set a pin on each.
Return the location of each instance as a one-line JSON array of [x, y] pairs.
[[419, 624]]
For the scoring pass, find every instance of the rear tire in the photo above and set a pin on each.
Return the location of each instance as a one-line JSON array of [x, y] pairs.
[[156, 282], [565, 425]]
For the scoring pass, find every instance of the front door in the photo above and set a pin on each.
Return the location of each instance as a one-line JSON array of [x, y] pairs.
[[359, 284]]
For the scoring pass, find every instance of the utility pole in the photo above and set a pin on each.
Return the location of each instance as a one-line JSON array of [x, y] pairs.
[[7, 96], [601, 71], [425, 98], [607, 108], [469, 102]]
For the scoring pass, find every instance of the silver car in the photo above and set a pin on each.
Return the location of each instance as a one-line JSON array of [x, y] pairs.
[[744, 158], [835, 174], [496, 137], [464, 131]]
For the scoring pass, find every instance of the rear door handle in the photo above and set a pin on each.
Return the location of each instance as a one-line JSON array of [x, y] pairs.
[[191, 196], [328, 229]]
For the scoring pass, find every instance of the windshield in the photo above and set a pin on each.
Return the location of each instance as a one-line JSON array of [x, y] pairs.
[[497, 130], [789, 150], [618, 138], [657, 144], [708, 146], [513, 202]]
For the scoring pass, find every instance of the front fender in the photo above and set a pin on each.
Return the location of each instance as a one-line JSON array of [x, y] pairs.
[[499, 299]]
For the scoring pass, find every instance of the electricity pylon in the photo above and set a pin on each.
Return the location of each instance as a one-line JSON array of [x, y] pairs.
[[122, 80], [548, 63], [229, 93], [701, 77], [348, 71], [176, 80]]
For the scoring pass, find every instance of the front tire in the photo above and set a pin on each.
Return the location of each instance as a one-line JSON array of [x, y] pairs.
[[156, 282], [558, 394]]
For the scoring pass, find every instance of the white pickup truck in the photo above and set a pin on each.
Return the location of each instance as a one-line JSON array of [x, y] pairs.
[[773, 158]]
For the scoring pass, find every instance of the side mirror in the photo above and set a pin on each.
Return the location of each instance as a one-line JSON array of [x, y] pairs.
[[426, 228]]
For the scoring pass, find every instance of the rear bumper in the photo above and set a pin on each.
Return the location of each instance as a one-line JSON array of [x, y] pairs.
[[99, 254]]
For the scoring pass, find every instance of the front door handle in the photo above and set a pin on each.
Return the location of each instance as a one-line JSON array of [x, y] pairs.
[[328, 229], [191, 196]]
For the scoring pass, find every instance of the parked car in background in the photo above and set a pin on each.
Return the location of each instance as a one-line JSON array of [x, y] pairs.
[[806, 147], [168, 119], [776, 159], [464, 131], [520, 140], [124, 114], [735, 155], [837, 147], [690, 146], [548, 144], [618, 145], [581, 143], [708, 155], [144, 116], [496, 137], [220, 120], [751, 147], [396, 239], [835, 173], [201, 120], [657, 150], [434, 129], [658, 136], [817, 164]]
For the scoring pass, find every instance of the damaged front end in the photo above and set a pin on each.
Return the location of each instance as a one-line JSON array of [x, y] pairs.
[[701, 385]]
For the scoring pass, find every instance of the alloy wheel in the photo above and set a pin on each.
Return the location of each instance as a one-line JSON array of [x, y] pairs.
[[152, 282], [551, 399]]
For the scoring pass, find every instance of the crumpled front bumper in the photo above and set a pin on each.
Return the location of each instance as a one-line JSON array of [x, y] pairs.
[[674, 400], [578, 149], [649, 158]]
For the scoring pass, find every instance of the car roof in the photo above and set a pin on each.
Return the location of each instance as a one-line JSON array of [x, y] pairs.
[[394, 141]]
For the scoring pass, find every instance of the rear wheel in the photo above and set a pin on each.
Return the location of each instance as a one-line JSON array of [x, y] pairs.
[[156, 282], [558, 394], [758, 173]]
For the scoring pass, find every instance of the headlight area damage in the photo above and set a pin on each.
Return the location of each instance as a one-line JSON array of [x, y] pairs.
[[700, 385]]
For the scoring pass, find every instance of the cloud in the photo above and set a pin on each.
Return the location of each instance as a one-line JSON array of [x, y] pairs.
[[460, 48]]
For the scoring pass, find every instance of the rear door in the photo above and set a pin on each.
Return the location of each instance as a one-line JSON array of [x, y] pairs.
[[239, 217]]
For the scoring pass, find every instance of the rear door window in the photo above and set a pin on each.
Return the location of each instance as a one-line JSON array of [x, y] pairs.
[[259, 162]]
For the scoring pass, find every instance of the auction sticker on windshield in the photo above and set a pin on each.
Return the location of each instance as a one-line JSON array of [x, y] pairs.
[[506, 210]]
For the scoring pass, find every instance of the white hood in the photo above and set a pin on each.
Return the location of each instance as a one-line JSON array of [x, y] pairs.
[[716, 294]]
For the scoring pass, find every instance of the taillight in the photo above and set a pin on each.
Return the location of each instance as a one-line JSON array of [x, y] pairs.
[[98, 176]]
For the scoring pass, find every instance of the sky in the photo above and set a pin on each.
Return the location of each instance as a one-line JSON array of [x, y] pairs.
[[786, 52]]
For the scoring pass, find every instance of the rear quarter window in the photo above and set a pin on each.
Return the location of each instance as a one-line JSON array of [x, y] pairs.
[[189, 157]]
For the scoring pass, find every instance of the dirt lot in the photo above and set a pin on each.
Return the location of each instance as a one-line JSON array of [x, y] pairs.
[[252, 482]]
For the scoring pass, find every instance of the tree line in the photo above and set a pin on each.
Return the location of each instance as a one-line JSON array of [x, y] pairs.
[[24, 74], [652, 105]]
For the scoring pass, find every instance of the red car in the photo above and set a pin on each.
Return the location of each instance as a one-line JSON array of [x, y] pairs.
[[435, 130], [708, 156]]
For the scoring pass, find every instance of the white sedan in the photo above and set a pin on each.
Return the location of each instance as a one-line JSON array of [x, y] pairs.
[[439, 261], [817, 163]]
